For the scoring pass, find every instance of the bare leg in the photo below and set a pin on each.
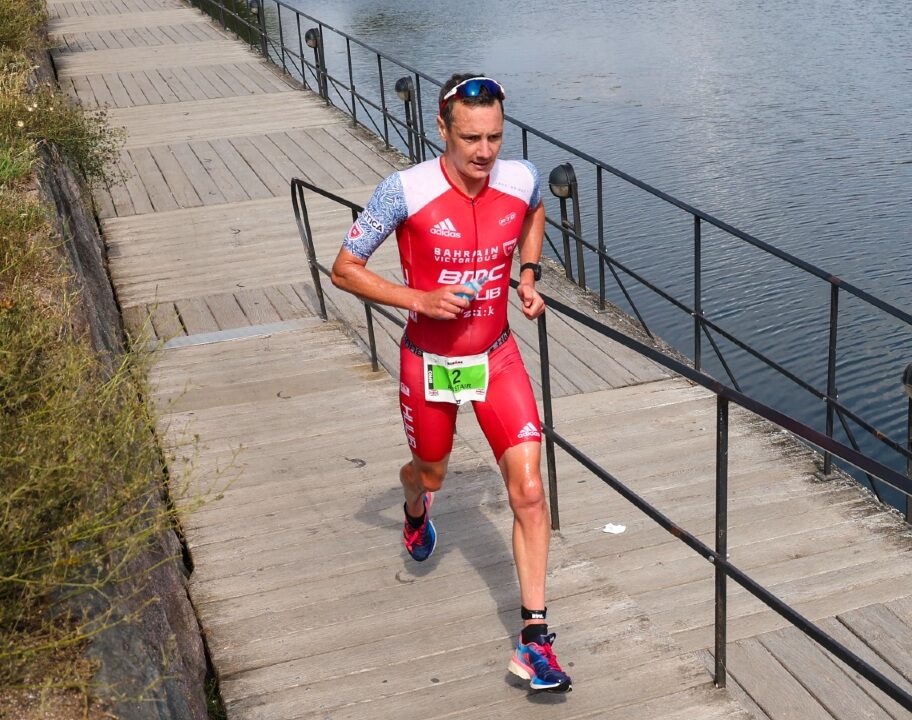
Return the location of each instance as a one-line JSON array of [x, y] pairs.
[[520, 467], [417, 478]]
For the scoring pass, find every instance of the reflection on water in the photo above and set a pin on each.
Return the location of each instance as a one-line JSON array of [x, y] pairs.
[[787, 119]]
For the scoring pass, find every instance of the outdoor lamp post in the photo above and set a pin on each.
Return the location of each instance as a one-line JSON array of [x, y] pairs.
[[562, 182], [405, 89], [314, 40], [907, 386]]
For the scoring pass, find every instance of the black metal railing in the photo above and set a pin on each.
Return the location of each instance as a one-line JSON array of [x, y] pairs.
[[362, 84], [725, 395]]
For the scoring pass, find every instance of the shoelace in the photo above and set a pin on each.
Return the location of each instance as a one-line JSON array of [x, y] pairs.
[[549, 656], [412, 536]]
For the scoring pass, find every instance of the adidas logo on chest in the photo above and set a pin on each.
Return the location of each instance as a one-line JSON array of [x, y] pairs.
[[445, 228]]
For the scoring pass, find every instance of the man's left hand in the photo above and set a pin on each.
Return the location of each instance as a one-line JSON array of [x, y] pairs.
[[532, 303]]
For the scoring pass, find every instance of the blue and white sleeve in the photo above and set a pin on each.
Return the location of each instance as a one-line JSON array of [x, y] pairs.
[[535, 198], [384, 212]]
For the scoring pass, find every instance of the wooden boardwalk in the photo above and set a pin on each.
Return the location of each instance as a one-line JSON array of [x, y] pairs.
[[309, 605]]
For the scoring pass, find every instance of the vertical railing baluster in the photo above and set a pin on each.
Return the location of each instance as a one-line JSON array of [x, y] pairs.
[[721, 536], [386, 135], [324, 72], [907, 385], [261, 25], [301, 52], [418, 119], [601, 235], [351, 81], [370, 336], [698, 295], [281, 39], [525, 144], [831, 373], [549, 420]]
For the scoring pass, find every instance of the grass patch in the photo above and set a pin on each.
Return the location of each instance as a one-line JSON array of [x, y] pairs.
[[34, 114], [81, 477]]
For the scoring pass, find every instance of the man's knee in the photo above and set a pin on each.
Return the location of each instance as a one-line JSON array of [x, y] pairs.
[[429, 475], [527, 495]]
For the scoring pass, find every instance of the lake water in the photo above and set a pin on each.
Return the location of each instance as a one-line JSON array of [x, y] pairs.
[[789, 120]]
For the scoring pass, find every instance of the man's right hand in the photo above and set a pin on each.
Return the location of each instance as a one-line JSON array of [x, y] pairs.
[[443, 303]]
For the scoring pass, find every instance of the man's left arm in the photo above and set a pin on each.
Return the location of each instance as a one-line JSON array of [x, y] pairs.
[[530, 247]]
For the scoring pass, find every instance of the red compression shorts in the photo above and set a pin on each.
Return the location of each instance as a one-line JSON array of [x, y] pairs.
[[508, 416]]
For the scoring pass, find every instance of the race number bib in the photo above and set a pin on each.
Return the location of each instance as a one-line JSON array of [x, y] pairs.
[[455, 379]]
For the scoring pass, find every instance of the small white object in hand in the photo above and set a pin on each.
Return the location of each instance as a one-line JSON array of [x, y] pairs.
[[614, 529]]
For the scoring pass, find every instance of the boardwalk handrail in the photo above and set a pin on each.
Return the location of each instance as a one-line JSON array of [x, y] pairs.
[[725, 395], [284, 46]]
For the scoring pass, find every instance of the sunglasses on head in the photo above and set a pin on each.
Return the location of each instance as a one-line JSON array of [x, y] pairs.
[[472, 88]]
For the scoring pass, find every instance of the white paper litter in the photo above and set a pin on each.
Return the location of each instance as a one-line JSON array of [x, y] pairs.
[[614, 529]]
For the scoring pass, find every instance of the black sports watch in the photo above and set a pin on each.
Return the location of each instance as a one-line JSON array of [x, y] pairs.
[[534, 267]]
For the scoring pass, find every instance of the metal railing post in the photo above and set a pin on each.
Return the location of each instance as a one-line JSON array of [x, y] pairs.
[[372, 342], [300, 211], [418, 119], [568, 269], [549, 420], [386, 135], [907, 385], [281, 39], [578, 231], [261, 23], [698, 295], [721, 535], [599, 199], [831, 374], [405, 89], [351, 81]]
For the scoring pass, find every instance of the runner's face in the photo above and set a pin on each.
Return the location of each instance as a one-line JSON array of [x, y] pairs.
[[473, 141]]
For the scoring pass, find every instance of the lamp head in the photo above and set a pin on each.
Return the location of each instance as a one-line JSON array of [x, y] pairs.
[[404, 88], [562, 181]]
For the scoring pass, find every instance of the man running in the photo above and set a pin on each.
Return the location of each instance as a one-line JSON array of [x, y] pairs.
[[458, 220]]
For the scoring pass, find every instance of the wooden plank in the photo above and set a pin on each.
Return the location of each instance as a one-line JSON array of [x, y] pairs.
[[318, 165], [122, 22], [138, 323], [180, 91], [256, 306], [134, 186], [180, 186], [367, 148], [881, 628], [219, 118], [226, 311], [823, 679], [100, 90], [141, 58], [228, 185], [153, 181], [843, 635], [153, 97], [240, 168], [355, 163], [770, 685], [286, 309], [237, 81], [134, 91], [270, 177], [161, 86], [166, 321], [195, 316], [203, 186]]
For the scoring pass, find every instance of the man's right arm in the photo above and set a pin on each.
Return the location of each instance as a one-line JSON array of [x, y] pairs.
[[384, 212], [350, 274]]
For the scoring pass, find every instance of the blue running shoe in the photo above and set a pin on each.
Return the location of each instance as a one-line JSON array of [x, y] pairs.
[[420, 543], [537, 663]]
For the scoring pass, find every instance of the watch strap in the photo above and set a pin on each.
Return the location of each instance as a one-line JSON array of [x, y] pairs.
[[534, 267]]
